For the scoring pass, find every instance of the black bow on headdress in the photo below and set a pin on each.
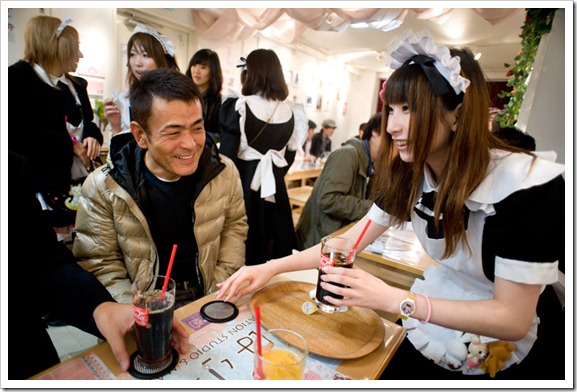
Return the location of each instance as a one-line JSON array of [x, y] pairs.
[[427, 64]]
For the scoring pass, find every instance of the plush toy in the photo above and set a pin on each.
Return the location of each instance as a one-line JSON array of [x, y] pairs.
[[456, 351], [477, 353], [72, 202], [499, 352]]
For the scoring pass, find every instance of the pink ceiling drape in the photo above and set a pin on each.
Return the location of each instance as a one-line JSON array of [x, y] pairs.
[[288, 24]]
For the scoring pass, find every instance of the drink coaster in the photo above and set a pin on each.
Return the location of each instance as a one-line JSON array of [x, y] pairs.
[[136, 370], [219, 311]]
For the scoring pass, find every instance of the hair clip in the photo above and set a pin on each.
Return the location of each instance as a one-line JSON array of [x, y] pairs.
[[164, 41], [243, 64], [65, 22], [420, 49]]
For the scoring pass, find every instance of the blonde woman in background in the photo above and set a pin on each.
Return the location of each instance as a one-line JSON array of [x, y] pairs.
[[50, 116]]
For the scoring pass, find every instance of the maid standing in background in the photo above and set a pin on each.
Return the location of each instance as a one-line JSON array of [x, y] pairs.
[[50, 119], [205, 71], [147, 50], [261, 133]]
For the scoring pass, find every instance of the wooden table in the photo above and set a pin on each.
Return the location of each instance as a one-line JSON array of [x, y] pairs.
[[297, 188], [369, 366], [300, 171]]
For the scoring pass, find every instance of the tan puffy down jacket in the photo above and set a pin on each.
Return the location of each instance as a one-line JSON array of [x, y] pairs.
[[115, 244]]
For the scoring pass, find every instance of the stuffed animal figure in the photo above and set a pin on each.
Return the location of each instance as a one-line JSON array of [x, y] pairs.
[[456, 351], [75, 192], [477, 353], [499, 352]]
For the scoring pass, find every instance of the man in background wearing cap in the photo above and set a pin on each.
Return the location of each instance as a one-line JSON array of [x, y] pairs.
[[321, 142]]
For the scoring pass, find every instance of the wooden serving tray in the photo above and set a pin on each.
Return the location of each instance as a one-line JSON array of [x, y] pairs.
[[342, 335]]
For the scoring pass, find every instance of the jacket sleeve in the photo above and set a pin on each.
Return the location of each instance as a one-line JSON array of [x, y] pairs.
[[232, 247], [336, 196], [96, 246], [90, 128], [36, 127]]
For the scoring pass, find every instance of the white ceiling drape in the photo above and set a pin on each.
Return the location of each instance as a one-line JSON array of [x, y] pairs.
[[288, 24]]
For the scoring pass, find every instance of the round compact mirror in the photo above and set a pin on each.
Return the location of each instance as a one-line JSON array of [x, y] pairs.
[[219, 311]]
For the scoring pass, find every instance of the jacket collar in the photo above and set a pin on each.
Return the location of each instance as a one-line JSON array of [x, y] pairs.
[[128, 168]]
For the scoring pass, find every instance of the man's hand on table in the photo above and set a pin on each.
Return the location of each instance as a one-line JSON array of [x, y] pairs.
[[114, 320]]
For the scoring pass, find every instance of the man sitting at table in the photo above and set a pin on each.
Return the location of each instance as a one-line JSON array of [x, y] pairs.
[[321, 141], [167, 186], [339, 195], [43, 277]]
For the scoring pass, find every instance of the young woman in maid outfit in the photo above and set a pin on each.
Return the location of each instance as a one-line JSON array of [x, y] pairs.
[[147, 50], [490, 214], [261, 131]]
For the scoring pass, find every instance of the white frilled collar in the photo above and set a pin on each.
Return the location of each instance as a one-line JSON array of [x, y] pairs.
[[507, 173], [50, 80]]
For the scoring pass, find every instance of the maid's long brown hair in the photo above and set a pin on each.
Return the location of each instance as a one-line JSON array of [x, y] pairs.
[[398, 184]]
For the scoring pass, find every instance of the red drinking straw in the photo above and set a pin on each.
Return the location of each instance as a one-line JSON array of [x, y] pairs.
[[258, 370], [165, 285], [358, 240]]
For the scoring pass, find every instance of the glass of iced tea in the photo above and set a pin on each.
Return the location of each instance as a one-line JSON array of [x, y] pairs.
[[335, 252], [283, 356]]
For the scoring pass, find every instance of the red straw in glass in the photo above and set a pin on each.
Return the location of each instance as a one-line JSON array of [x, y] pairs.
[[165, 285], [359, 240], [258, 370]]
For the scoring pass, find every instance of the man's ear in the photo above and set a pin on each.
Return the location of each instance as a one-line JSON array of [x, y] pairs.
[[457, 115], [139, 135]]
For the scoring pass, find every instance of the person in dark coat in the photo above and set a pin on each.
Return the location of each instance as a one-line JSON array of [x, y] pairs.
[[205, 71], [50, 119], [43, 277], [321, 144]]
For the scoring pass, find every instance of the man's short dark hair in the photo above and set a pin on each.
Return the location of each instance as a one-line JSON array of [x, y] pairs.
[[374, 124], [166, 84], [312, 124]]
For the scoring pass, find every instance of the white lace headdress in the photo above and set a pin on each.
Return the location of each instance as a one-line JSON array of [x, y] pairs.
[[65, 22], [164, 41], [421, 49]]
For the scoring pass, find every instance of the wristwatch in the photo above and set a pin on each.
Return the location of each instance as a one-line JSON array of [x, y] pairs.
[[407, 306]]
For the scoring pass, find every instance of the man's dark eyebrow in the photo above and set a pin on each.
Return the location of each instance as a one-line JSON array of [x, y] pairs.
[[169, 126], [198, 121]]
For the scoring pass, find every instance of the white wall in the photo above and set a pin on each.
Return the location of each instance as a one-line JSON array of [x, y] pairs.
[[542, 114], [103, 37], [308, 76]]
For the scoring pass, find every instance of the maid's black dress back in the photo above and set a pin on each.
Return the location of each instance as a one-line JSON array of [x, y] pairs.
[[271, 229]]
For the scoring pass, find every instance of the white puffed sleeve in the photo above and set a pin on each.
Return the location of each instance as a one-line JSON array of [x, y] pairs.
[[301, 127]]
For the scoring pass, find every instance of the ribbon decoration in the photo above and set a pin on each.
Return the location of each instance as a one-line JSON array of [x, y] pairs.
[[63, 25], [434, 77]]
